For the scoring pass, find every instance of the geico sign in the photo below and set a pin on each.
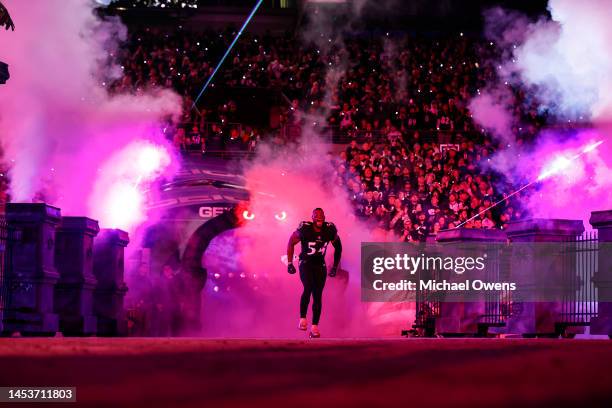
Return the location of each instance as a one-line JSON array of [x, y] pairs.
[[209, 212]]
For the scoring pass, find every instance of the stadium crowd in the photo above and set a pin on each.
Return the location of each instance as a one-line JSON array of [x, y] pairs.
[[418, 166], [363, 88], [415, 190]]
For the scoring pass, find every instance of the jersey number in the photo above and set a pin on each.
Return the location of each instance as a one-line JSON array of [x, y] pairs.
[[312, 249]]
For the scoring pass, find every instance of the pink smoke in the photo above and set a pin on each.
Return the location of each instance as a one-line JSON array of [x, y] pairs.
[[492, 111], [263, 299], [60, 128], [564, 63], [572, 176], [119, 196]]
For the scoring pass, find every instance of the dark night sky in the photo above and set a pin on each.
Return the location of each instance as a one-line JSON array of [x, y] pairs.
[[443, 14]]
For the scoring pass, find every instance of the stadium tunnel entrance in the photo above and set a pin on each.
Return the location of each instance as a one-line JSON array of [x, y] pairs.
[[194, 273]]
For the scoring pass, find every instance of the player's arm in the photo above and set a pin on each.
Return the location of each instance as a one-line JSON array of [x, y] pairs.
[[337, 244], [293, 240]]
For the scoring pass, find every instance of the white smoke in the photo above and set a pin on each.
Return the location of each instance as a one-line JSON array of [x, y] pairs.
[[565, 60], [564, 63], [58, 124]]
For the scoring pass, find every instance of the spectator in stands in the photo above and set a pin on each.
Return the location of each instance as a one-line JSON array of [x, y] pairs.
[[195, 139], [179, 139], [234, 142]]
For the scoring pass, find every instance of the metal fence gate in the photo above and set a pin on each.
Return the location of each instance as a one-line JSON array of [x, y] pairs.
[[498, 304], [4, 236], [427, 308], [8, 236], [579, 302], [577, 306]]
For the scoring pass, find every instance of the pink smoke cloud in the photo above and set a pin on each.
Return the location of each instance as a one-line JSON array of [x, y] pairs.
[[263, 299], [119, 195], [59, 125], [491, 111]]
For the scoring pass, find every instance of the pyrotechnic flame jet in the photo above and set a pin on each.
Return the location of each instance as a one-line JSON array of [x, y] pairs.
[[562, 163], [557, 165], [591, 147]]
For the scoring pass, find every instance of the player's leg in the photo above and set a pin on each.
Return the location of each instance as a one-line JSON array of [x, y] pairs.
[[306, 276], [319, 277]]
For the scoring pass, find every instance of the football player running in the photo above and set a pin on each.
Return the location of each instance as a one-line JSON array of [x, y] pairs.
[[314, 237]]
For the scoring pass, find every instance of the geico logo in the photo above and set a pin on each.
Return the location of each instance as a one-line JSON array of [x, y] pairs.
[[208, 212]]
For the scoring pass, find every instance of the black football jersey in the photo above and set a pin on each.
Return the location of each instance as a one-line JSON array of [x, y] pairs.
[[314, 243]]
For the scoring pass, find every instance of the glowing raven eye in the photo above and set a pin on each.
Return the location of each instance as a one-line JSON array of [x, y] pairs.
[[247, 215], [281, 216]]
